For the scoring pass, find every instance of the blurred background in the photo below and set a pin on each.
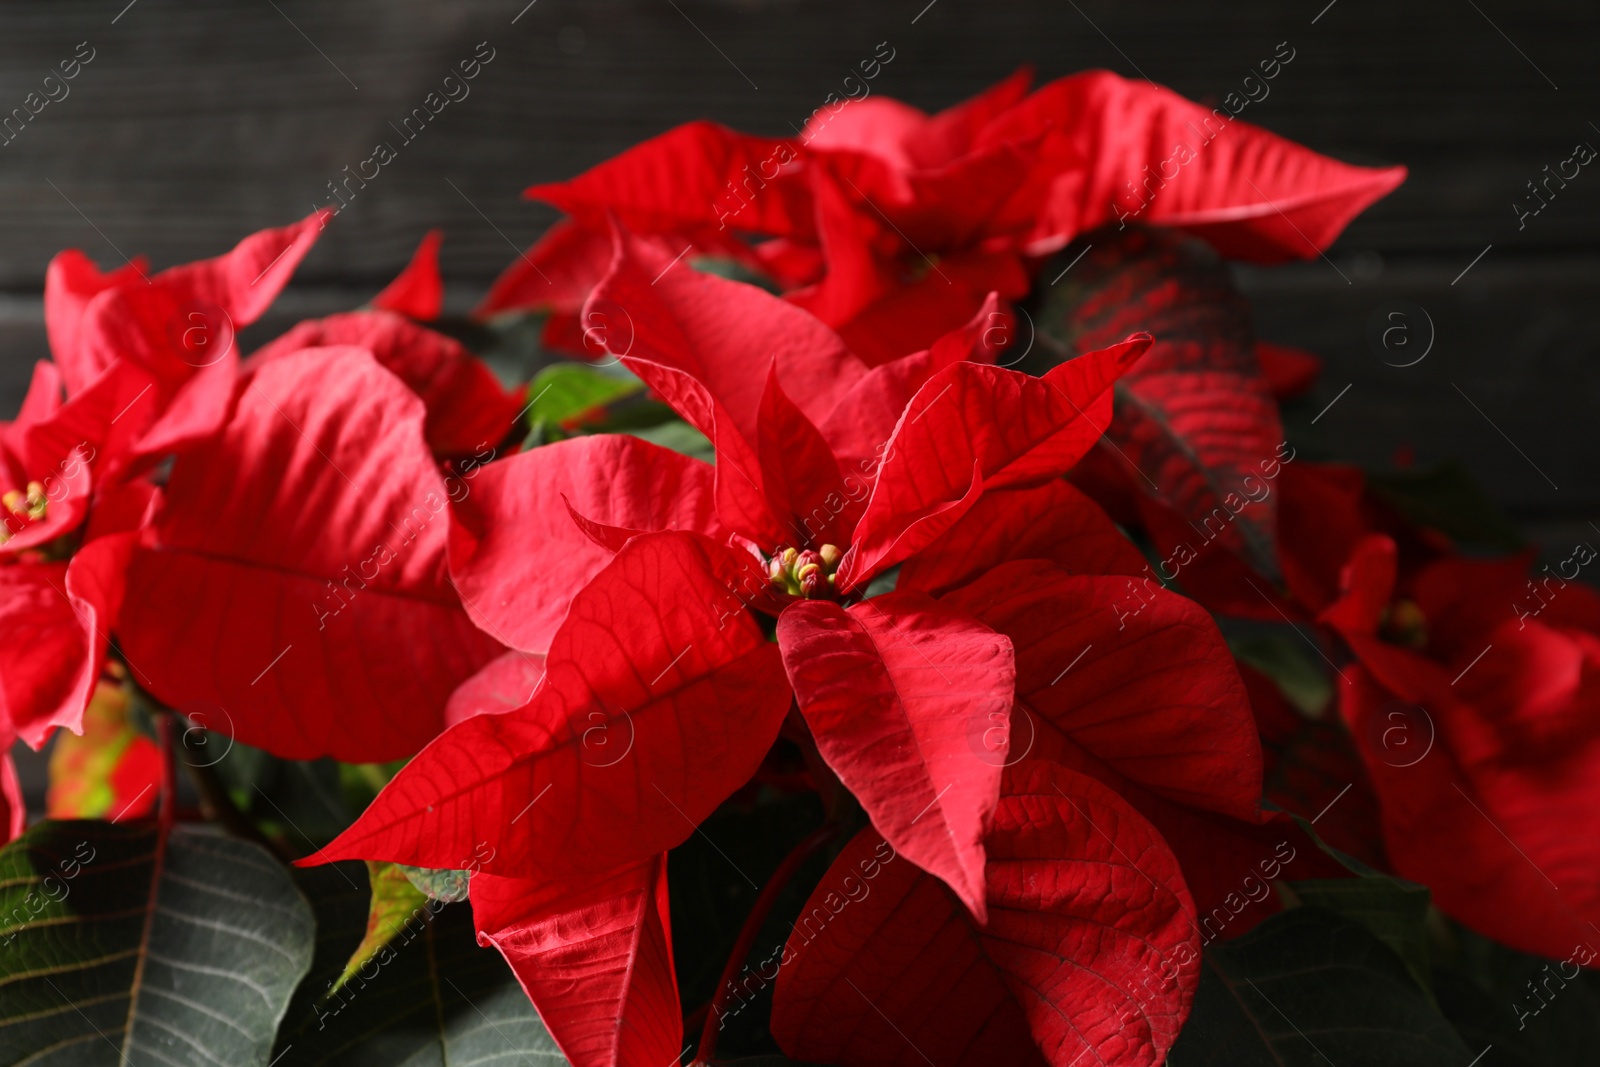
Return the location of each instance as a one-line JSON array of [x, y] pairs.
[[190, 125]]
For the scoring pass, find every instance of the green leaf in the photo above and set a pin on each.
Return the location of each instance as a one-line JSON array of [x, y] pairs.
[[1395, 912], [567, 390], [680, 437], [1554, 1022], [430, 998], [1308, 988], [1448, 499], [449, 886], [123, 946], [1282, 658], [395, 901]]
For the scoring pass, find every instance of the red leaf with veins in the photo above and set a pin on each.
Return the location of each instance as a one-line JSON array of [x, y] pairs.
[[898, 691], [972, 428], [1196, 418], [418, 290], [724, 333], [1252, 194], [698, 176], [468, 409], [1143, 682], [518, 557], [595, 958], [655, 706], [297, 574], [1054, 521], [1090, 954], [805, 487], [699, 341]]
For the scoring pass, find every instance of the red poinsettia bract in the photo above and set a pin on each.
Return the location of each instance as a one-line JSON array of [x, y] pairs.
[[656, 696]]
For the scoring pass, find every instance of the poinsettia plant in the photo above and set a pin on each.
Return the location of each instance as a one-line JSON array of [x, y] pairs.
[[847, 599]]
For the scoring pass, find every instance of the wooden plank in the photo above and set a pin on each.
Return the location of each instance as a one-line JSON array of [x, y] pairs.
[[195, 124]]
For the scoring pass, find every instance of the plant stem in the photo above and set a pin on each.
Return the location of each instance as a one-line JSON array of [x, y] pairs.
[[751, 930]]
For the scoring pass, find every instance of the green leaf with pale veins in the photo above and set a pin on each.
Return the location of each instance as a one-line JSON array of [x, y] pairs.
[[1307, 988], [123, 945], [1395, 912], [431, 997]]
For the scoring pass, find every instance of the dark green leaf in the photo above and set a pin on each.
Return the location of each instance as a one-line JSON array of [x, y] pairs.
[[430, 998], [1535, 1012], [117, 948], [1310, 988], [1449, 499], [1287, 661], [1395, 912]]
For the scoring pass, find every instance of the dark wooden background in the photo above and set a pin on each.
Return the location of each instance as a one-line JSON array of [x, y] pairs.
[[197, 123]]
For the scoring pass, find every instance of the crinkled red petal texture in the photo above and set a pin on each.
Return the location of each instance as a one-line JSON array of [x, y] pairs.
[[595, 957], [505, 683], [518, 557], [1091, 946], [1145, 684], [655, 707], [699, 176], [1528, 827], [1055, 521], [296, 577], [899, 692], [469, 411], [1252, 194], [418, 290], [971, 428]]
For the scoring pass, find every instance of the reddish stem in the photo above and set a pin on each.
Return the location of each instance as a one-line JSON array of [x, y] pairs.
[[751, 930], [169, 774]]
